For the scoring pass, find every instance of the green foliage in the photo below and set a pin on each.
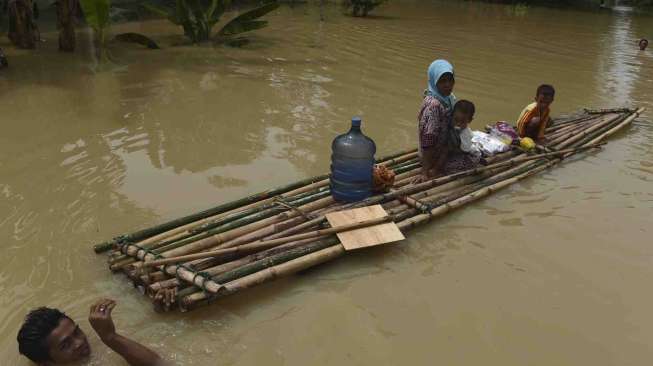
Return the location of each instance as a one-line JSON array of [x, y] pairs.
[[98, 17], [248, 21], [643, 3], [518, 9], [360, 8], [197, 18], [96, 13], [131, 37]]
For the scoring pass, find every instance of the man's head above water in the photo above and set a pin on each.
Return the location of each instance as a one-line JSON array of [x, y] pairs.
[[49, 336]]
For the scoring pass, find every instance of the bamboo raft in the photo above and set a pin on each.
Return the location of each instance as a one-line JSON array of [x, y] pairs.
[[195, 260]]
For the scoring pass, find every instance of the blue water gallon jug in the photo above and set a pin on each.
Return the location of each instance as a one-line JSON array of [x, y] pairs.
[[352, 164]]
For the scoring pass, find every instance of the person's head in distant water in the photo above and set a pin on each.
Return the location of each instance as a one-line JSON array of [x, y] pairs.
[[49, 337], [441, 82], [463, 113], [544, 96], [643, 43]]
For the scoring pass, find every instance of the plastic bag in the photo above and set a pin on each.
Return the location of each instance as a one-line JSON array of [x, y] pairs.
[[504, 132], [488, 144], [466, 143]]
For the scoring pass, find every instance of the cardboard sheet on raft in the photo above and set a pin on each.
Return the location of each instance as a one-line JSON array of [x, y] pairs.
[[368, 236]]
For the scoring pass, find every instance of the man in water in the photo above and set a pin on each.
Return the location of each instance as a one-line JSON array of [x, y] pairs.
[[643, 43], [49, 337]]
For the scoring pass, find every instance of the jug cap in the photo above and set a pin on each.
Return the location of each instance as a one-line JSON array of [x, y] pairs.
[[356, 122]]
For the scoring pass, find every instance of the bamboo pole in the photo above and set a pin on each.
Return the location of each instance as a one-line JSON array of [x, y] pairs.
[[620, 126], [238, 220], [236, 229], [145, 233], [575, 136], [558, 126], [609, 110], [574, 127], [266, 244], [268, 274], [565, 133]]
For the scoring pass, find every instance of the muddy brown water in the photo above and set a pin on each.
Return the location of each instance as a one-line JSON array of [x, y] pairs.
[[554, 270]]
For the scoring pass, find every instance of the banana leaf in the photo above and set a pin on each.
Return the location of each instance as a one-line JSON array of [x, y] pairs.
[[257, 12], [237, 42], [217, 8], [137, 38], [242, 27], [96, 13], [246, 22], [164, 12]]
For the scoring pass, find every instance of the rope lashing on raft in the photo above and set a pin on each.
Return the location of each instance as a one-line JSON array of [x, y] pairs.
[[177, 268], [205, 277], [422, 207], [140, 249], [281, 202], [120, 242]]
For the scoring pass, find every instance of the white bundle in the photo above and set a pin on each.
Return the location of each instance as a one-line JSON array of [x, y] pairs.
[[488, 144], [466, 143]]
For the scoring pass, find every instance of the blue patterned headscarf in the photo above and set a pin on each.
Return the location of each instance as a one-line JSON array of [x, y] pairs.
[[436, 70]]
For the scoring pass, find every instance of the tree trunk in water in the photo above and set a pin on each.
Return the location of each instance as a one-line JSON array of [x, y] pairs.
[[357, 10], [321, 10], [3, 60], [22, 30], [66, 25]]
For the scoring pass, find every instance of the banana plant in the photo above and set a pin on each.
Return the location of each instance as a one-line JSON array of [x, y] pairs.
[[360, 8], [96, 13], [98, 17], [198, 17]]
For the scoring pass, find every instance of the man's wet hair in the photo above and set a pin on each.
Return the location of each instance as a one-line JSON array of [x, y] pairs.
[[33, 334], [465, 106], [546, 90]]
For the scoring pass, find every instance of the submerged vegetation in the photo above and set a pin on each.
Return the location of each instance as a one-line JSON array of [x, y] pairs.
[[22, 31], [361, 8], [198, 17], [96, 13]]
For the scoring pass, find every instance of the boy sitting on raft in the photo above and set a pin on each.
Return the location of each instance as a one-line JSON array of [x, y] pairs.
[[535, 117]]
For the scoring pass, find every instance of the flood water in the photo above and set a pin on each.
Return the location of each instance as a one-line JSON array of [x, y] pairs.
[[555, 270]]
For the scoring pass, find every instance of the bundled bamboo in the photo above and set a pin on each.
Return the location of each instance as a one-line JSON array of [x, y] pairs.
[[189, 262]]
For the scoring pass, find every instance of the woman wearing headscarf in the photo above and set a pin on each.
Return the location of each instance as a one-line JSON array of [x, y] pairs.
[[436, 130]]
